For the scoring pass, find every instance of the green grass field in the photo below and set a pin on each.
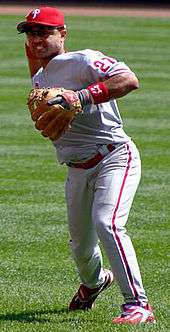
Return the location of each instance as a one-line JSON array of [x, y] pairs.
[[37, 274]]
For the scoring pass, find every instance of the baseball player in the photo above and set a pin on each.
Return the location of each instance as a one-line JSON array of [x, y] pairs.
[[104, 165]]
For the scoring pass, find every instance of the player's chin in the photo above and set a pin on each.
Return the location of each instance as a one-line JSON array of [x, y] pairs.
[[51, 55]]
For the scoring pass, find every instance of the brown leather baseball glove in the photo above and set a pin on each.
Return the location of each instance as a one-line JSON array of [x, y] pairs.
[[53, 110]]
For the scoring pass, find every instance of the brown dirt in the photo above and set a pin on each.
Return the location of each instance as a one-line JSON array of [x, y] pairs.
[[94, 11]]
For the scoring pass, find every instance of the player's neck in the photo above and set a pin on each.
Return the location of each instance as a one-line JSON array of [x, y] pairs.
[[45, 61]]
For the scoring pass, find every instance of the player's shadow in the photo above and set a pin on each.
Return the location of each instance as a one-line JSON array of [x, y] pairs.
[[34, 316]]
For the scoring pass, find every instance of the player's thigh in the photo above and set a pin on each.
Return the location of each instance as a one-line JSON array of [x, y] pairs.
[[114, 192], [79, 199]]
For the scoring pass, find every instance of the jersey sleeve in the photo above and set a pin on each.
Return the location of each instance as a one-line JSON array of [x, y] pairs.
[[36, 79], [97, 66]]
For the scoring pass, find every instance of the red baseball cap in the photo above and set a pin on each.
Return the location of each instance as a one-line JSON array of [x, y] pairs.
[[43, 15]]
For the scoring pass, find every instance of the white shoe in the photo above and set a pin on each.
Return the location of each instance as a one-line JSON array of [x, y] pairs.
[[135, 314]]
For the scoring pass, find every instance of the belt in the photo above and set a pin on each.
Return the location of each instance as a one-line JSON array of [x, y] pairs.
[[93, 161]]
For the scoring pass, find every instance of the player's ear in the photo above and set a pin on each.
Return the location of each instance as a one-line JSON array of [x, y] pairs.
[[63, 33]]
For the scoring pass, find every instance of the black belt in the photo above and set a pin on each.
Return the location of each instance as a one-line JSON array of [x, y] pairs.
[[93, 161]]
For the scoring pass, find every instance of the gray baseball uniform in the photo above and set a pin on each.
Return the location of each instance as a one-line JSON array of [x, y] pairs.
[[98, 198]]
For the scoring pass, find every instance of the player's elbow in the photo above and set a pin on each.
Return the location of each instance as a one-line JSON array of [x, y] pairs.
[[134, 83]]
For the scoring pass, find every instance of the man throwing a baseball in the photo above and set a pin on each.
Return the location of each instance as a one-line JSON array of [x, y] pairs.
[[83, 122]]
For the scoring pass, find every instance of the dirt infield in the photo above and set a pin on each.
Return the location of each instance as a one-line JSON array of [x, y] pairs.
[[95, 11]]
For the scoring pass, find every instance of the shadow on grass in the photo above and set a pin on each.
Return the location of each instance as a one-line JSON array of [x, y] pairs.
[[33, 316]]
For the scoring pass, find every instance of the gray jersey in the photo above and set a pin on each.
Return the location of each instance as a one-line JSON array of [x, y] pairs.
[[99, 124]]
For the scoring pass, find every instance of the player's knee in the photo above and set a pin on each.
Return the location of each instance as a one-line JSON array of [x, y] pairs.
[[81, 251], [103, 227]]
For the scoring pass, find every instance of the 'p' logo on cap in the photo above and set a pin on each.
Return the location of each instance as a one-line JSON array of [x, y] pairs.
[[35, 12]]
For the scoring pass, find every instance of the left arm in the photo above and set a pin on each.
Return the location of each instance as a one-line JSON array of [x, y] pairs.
[[122, 84], [115, 87]]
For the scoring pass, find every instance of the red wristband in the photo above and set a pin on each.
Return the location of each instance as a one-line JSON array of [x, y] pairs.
[[99, 92]]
